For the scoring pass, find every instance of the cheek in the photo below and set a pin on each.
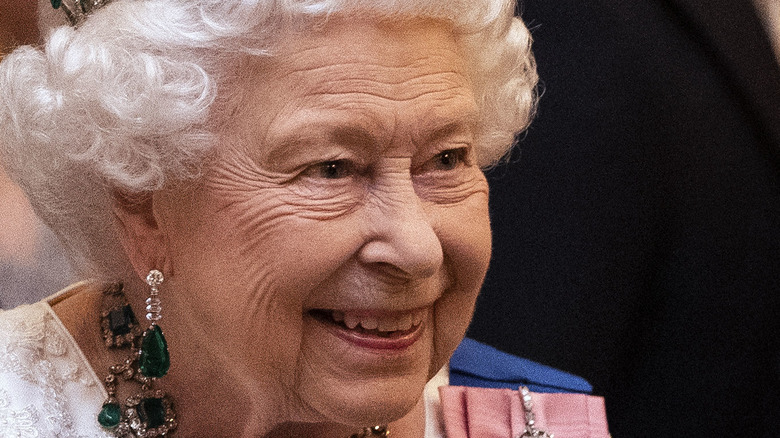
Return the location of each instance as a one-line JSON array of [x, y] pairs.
[[466, 239], [248, 261]]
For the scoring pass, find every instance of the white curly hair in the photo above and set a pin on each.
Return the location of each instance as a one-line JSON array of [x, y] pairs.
[[127, 101]]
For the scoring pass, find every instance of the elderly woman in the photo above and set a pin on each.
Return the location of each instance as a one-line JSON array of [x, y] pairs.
[[291, 189]]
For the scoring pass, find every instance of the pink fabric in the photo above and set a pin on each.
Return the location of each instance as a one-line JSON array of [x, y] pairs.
[[498, 413]]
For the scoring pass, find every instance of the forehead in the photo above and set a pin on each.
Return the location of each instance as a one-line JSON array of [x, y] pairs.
[[373, 56], [385, 79]]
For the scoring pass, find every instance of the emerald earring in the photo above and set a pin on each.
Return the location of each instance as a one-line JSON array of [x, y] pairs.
[[154, 360], [148, 413]]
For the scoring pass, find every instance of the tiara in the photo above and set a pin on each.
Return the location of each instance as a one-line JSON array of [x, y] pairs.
[[79, 9]]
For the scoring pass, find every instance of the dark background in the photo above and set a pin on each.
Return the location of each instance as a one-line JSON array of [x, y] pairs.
[[637, 227]]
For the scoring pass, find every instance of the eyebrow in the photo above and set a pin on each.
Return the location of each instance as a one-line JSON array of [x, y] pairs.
[[454, 127], [350, 135], [359, 136]]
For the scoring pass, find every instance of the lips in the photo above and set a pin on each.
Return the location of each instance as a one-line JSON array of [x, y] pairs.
[[392, 330]]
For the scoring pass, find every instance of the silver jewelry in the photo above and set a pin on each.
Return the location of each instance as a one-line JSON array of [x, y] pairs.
[[149, 413], [78, 10], [530, 418], [117, 320]]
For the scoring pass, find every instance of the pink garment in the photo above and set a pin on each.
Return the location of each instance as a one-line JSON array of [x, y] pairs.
[[498, 413]]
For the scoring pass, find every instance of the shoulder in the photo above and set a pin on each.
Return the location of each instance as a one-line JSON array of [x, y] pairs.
[[46, 386], [480, 365], [22, 327]]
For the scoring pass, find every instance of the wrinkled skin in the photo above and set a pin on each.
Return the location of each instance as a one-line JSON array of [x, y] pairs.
[[345, 181]]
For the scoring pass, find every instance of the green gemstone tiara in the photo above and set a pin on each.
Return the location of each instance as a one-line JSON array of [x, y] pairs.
[[78, 10]]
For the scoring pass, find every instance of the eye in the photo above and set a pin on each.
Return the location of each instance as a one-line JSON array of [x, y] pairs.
[[448, 160], [335, 169]]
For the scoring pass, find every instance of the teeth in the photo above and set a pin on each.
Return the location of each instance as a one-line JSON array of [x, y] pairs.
[[369, 323], [401, 322], [351, 321], [405, 323], [388, 324]]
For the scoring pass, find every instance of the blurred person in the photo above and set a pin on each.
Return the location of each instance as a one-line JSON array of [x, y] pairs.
[[637, 232]]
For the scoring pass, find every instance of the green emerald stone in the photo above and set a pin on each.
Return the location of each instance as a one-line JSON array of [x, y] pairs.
[[154, 360], [151, 412], [110, 415], [56, 4]]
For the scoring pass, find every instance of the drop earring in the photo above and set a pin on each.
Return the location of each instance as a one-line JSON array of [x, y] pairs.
[[148, 413], [154, 360]]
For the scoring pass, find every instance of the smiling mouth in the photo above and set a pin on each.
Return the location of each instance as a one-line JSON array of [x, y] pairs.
[[385, 326]]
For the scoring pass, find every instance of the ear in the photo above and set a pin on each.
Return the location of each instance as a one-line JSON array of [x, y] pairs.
[[140, 232]]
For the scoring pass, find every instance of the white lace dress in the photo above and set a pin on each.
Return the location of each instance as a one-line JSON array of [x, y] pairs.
[[47, 387]]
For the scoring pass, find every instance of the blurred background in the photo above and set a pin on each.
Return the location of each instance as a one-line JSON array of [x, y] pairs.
[[32, 264], [637, 226]]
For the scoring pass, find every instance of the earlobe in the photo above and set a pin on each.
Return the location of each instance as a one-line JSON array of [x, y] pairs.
[[140, 231]]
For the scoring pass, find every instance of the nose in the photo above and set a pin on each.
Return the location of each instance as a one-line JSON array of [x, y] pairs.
[[403, 242]]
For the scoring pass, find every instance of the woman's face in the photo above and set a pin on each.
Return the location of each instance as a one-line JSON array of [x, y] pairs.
[[333, 251]]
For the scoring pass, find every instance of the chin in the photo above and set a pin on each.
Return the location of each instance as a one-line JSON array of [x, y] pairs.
[[369, 402]]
